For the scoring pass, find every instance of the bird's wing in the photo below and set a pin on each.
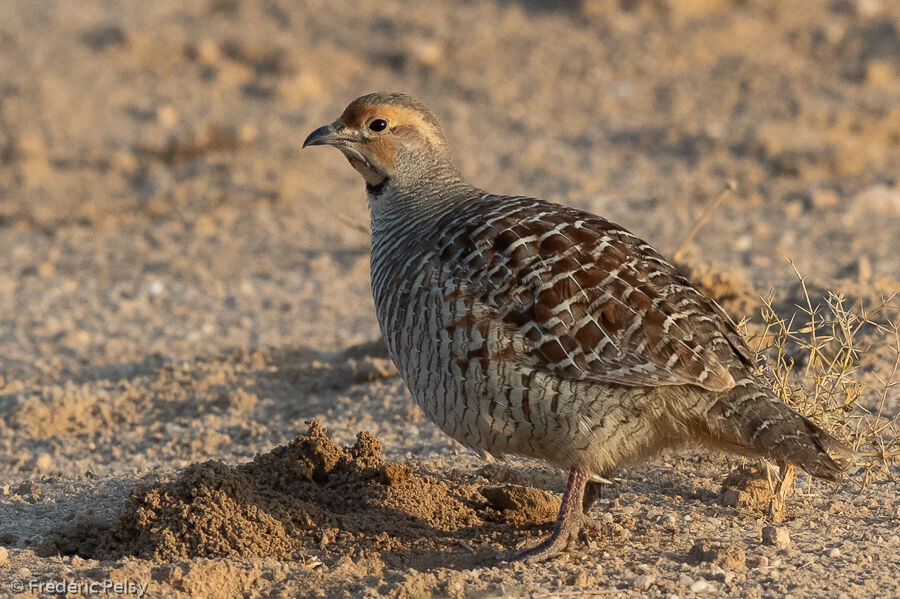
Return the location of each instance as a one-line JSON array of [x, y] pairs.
[[586, 299]]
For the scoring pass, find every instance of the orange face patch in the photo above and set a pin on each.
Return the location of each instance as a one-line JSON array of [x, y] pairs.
[[401, 121]]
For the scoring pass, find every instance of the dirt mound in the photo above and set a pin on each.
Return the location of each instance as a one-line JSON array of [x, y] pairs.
[[747, 487], [312, 499]]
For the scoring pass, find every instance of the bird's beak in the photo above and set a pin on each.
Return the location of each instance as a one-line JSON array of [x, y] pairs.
[[327, 135]]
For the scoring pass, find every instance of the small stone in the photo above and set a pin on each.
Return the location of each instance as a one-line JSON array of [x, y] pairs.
[[743, 243], [684, 580], [44, 462], [13, 387], [644, 582], [156, 287], [166, 116], [778, 536], [30, 146], [607, 517], [880, 199], [834, 552], [247, 134], [763, 562], [731, 556], [207, 52], [793, 209], [730, 498], [825, 198], [123, 162], [427, 52], [881, 74], [700, 586]]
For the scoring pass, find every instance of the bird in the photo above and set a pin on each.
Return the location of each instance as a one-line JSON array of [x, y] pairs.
[[525, 327]]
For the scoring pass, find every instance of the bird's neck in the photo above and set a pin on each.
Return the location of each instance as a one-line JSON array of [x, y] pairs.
[[416, 200]]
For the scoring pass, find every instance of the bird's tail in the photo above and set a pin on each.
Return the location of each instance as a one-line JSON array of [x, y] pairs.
[[751, 419]]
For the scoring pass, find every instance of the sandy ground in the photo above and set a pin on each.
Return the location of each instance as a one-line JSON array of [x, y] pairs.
[[179, 284]]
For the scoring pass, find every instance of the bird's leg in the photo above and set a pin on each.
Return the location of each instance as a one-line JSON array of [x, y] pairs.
[[786, 473], [570, 521], [591, 493]]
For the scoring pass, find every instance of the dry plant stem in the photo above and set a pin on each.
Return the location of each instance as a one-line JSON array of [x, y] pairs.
[[830, 389], [704, 216], [783, 485]]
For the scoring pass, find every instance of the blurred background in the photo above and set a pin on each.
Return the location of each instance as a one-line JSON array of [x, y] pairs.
[[155, 204], [179, 282]]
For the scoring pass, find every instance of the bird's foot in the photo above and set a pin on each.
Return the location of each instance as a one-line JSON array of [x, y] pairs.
[[564, 536], [570, 523]]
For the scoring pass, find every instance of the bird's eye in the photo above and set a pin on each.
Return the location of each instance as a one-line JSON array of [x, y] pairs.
[[378, 125]]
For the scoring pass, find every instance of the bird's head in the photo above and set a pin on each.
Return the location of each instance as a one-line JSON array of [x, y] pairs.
[[389, 138]]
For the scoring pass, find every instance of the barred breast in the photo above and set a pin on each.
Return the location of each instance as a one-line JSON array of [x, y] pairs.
[[512, 322]]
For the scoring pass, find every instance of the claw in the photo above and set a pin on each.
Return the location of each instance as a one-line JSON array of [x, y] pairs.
[[571, 523]]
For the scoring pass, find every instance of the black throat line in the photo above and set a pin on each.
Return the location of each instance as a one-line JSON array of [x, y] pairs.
[[377, 188]]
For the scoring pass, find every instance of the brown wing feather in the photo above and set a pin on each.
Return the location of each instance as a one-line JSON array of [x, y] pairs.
[[592, 301]]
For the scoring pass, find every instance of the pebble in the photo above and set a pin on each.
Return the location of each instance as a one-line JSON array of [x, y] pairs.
[[644, 582], [834, 552], [156, 287], [825, 198], [730, 498], [43, 462], [878, 198], [123, 162], [30, 146], [778, 536], [428, 52], [700, 586], [167, 116], [208, 52], [880, 73]]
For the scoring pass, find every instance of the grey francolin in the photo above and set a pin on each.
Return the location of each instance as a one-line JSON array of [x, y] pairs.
[[526, 327]]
